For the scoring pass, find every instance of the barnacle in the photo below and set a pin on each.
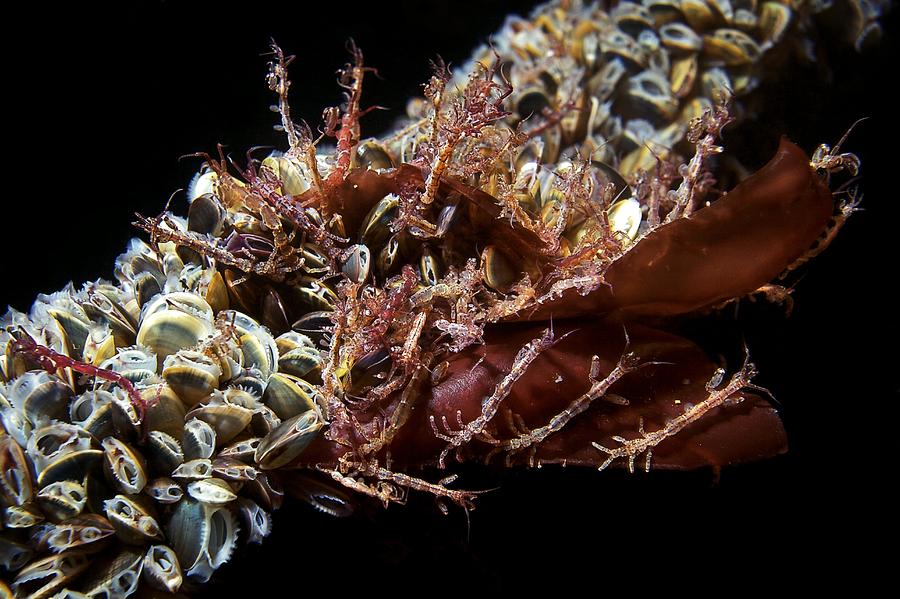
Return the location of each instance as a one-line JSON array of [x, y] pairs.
[[488, 282]]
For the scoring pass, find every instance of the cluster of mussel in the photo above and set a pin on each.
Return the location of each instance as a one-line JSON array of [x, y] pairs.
[[99, 493], [619, 87], [628, 80]]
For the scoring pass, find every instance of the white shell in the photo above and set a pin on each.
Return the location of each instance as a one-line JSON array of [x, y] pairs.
[[625, 217]]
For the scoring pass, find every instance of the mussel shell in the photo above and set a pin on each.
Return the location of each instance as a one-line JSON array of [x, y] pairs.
[[162, 570], [179, 301], [684, 76], [315, 325], [698, 13], [625, 218], [257, 521], [194, 469], [274, 313], [241, 396], [206, 215], [292, 340], [376, 227], [165, 411], [680, 37], [616, 43], [266, 490], [76, 327], [71, 466], [732, 47], [368, 371], [97, 490], [163, 452], [192, 375], [288, 440], [530, 101], [774, 19], [288, 395], [257, 344], [62, 500], [498, 271], [44, 577], [40, 396], [100, 345], [213, 491], [290, 172], [226, 419], [243, 450], [173, 322], [14, 555], [167, 332], [92, 411], [264, 421], [216, 293], [125, 416], [104, 306], [164, 490], [716, 83], [314, 259], [371, 155], [125, 466], [603, 83], [315, 295], [146, 287], [357, 262], [305, 362], [85, 533], [172, 263], [22, 516], [249, 383], [446, 217], [430, 269], [133, 522], [16, 485], [230, 468], [632, 17], [134, 363], [117, 578], [243, 293], [320, 495], [198, 440], [202, 536], [15, 424], [388, 256]]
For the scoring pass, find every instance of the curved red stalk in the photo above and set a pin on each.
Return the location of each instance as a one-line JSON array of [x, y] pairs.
[[51, 361]]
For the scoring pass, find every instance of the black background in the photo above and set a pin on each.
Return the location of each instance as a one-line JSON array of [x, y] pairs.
[[103, 100]]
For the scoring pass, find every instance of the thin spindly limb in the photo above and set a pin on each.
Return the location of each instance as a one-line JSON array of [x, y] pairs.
[[489, 406], [461, 498], [696, 180], [631, 449], [402, 412], [845, 209], [280, 262], [479, 105], [300, 142], [385, 493], [390, 487], [627, 363]]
